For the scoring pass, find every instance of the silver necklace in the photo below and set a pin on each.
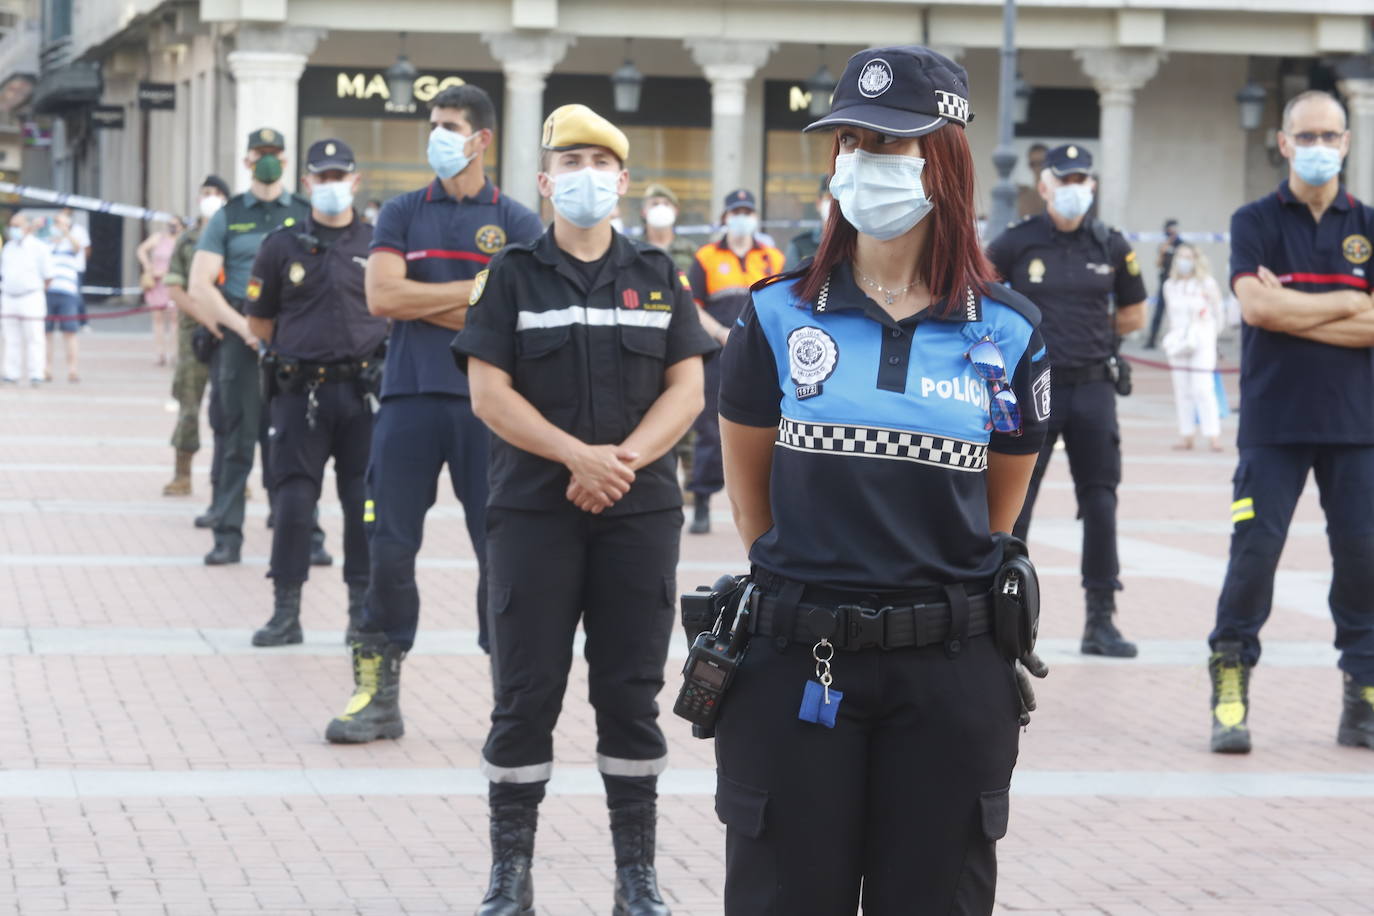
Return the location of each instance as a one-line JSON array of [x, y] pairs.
[[889, 294]]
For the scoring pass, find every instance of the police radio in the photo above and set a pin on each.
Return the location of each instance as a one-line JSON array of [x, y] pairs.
[[715, 656]]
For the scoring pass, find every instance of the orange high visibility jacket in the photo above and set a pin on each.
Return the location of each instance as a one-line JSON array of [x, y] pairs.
[[721, 279]]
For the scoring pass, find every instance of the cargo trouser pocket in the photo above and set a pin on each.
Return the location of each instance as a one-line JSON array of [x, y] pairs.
[[741, 808], [978, 882]]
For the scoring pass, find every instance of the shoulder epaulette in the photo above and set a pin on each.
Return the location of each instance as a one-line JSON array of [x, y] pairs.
[[792, 274], [1013, 300]]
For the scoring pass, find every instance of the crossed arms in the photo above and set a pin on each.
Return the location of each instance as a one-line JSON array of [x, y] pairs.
[[1343, 318]]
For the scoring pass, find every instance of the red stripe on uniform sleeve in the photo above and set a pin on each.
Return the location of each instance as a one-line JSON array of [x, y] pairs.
[[1342, 279], [424, 253]]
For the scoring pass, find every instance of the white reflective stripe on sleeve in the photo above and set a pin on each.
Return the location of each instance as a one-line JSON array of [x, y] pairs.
[[619, 766], [601, 318], [535, 772]]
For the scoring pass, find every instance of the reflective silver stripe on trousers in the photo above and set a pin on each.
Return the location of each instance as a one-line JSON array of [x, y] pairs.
[[535, 772], [601, 318], [619, 766]]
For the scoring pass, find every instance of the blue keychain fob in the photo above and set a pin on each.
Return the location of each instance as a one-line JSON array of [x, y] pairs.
[[820, 704]]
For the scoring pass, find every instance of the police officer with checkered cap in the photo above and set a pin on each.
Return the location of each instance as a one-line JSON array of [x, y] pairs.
[[886, 394], [1075, 268]]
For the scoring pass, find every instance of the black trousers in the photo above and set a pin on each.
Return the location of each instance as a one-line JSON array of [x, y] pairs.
[[414, 437], [298, 454], [616, 574], [1085, 415], [708, 469], [900, 804], [1267, 484]]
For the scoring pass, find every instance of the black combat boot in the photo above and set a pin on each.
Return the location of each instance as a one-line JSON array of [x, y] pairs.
[[1230, 699], [284, 629], [356, 593], [318, 555], [1100, 635], [223, 554], [511, 890], [208, 519], [1357, 716], [701, 514], [636, 882], [374, 710]]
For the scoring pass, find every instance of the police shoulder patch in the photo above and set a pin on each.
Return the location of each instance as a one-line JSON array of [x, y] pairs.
[[1040, 394], [1132, 264], [479, 285], [254, 289]]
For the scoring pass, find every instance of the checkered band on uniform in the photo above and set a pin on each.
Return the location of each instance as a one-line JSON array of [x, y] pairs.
[[876, 442], [952, 106]]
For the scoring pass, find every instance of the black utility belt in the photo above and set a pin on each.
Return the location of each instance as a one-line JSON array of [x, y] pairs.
[[1080, 375], [303, 373], [852, 627]]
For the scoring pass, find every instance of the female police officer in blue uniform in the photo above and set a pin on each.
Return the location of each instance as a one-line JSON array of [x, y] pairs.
[[881, 409]]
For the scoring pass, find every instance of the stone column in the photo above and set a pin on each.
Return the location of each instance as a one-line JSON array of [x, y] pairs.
[[1116, 74], [1359, 100], [729, 65], [526, 60], [266, 65]]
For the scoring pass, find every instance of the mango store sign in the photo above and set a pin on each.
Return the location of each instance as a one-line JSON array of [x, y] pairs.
[[373, 86]]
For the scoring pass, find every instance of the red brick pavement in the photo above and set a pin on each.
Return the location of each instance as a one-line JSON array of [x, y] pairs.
[[81, 468]]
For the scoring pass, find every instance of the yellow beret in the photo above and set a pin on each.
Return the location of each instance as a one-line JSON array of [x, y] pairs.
[[571, 126], [660, 190]]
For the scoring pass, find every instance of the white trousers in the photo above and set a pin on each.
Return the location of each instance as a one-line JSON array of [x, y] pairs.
[[21, 324], [1195, 393]]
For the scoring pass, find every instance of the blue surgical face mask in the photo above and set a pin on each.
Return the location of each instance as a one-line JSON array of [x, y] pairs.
[[585, 197], [741, 225], [1072, 200], [446, 152], [15, 233], [880, 195], [1316, 164], [332, 197]]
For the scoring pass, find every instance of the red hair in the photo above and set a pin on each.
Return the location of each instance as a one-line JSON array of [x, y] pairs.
[[953, 260]]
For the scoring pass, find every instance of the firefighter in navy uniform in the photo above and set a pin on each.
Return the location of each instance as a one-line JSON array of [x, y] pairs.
[[584, 353], [305, 300], [1072, 266]]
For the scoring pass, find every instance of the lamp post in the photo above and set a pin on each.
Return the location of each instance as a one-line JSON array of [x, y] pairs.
[[627, 83], [400, 82], [1251, 99], [821, 86], [1003, 209]]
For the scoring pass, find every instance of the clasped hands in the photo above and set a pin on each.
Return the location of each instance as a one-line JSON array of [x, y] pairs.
[[601, 475]]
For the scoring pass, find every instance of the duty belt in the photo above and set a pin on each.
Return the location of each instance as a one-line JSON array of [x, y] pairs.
[[304, 373], [853, 626], [1079, 375]]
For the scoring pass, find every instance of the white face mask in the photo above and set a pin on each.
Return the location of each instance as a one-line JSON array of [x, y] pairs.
[[370, 214], [660, 216], [823, 208], [585, 197], [742, 225], [210, 205], [880, 195], [618, 225], [1183, 266], [1072, 200]]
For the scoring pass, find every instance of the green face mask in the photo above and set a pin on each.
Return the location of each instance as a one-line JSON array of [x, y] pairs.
[[268, 168]]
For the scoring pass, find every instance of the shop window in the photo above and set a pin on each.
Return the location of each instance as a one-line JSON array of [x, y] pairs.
[[793, 162]]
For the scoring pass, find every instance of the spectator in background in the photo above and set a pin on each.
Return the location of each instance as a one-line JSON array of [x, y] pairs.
[[68, 260], [1195, 315], [24, 274], [804, 244], [154, 256], [1164, 259], [660, 210], [1028, 199], [82, 240], [374, 207]]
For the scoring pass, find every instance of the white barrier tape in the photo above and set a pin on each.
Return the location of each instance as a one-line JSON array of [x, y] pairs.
[[43, 195]]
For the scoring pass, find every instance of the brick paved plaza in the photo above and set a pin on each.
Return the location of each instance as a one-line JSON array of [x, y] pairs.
[[152, 762]]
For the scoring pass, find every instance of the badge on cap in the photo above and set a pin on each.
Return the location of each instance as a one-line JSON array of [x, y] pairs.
[[329, 149], [269, 134], [1072, 152], [875, 78]]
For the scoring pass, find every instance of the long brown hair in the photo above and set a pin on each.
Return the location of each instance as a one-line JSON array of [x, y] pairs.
[[954, 260]]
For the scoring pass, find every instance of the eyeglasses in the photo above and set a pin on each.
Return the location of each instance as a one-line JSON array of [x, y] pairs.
[[1004, 410], [1313, 137]]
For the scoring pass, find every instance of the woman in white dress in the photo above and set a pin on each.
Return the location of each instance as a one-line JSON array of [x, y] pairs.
[[1195, 315]]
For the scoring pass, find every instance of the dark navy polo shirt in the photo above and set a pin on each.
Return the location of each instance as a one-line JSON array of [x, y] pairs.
[[1072, 277], [442, 240], [588, 353], [1294, 390], [878, 475]]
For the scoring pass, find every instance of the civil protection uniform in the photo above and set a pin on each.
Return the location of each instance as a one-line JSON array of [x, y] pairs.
[[1073, 277], [879, 501], [720, 282], [1305, 407], [426, 420], [235, 233], [324, 356]]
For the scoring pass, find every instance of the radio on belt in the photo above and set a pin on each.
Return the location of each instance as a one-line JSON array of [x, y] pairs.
[[711, 666]]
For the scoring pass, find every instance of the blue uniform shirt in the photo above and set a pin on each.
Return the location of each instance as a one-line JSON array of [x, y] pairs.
[[442, 240], [1295, 390], [878, 470]]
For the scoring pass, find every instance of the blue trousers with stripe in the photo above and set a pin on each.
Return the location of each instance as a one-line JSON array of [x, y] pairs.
[[1267, 484]]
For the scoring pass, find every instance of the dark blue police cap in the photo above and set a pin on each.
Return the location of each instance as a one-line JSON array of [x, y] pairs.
[[1069, 159], [905, 91], [740, 198], [329, 155]]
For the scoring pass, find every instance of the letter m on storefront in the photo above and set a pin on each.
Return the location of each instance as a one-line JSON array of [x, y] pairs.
[[358, 86]]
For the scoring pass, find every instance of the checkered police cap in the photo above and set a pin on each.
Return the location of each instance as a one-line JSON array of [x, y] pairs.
[[904, 91]]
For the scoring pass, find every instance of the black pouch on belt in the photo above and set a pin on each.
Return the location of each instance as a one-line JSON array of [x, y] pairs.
[[1016, 600], [204, 344], [702, 608]]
